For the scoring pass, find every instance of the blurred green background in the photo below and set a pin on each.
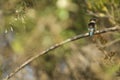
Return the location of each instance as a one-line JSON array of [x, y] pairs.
[[28, 27]]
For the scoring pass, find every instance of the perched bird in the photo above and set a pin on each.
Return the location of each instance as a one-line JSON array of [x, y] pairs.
[[91, 26]]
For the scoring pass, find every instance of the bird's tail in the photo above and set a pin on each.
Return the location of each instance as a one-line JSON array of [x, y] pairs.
[[91, 33]]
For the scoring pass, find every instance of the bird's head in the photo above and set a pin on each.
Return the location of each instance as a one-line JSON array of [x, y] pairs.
[[93, 20]]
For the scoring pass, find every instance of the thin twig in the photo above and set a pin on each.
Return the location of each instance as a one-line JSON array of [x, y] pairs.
[[56, 46], [111, 43]]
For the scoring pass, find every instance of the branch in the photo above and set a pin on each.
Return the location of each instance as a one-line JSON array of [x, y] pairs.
[[116, 28], [111, 43]]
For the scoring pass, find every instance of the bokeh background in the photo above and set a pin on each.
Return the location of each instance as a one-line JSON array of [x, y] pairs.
[[28, 27]]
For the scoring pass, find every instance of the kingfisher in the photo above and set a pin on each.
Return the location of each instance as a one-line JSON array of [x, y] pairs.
[[91, 26]]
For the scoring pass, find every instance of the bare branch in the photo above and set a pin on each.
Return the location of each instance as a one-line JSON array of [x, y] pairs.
[[111, 43], [58, 45]]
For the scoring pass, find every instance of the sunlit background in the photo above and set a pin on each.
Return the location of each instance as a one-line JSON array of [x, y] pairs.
[[28, 27]]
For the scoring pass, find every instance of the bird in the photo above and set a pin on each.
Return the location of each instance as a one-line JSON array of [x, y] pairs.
[[92, 26]]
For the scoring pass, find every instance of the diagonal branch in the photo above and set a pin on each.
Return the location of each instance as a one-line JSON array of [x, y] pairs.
[[116, 28], [110, 43]]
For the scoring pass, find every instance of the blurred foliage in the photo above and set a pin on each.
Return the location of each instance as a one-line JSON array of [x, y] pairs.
[[28, 27]]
